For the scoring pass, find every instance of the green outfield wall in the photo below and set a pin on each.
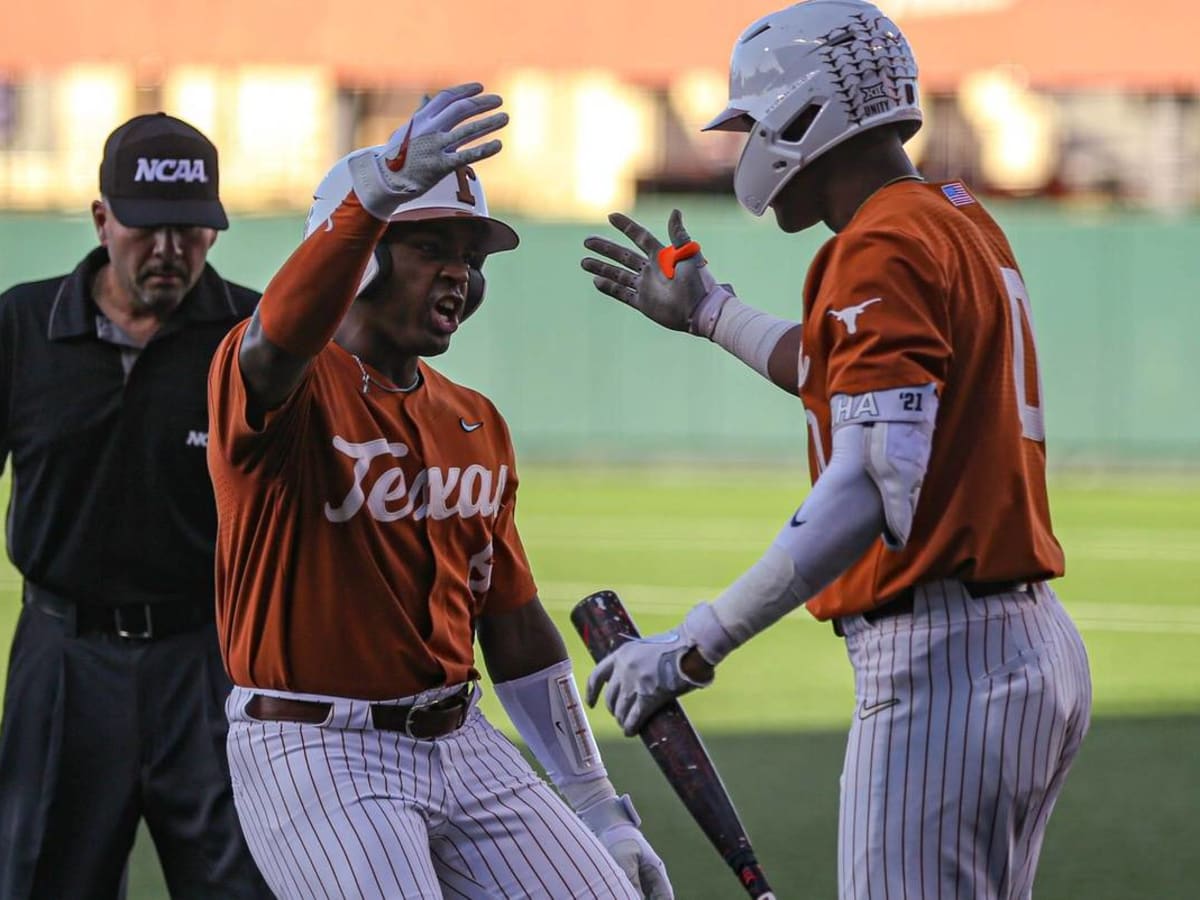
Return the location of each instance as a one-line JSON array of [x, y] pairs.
[[1114, 297]]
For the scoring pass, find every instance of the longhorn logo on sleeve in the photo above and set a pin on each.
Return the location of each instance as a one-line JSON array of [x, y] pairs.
[[849, 315]]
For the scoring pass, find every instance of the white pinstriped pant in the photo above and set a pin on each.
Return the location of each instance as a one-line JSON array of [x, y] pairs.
[[969, 715], [343, 810]]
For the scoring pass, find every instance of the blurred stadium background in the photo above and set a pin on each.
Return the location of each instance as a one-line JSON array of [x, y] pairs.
[[660, 466]]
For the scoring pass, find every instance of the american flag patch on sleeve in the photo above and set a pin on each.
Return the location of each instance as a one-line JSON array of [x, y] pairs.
[[957, 194]]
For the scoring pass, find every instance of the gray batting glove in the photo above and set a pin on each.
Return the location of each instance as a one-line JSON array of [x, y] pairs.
[[427, 149], [669, 284], [644, 674], [615, 822]]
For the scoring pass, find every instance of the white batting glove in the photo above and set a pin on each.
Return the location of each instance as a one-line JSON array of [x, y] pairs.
[[669, 284], [644, 674], [615, 822], [427, 149]]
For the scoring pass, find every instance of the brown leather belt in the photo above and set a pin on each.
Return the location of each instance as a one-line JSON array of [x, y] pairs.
[[431, 720], [903, 602]]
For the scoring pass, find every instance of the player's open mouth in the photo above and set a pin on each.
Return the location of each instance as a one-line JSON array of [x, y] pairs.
[[445, 314]]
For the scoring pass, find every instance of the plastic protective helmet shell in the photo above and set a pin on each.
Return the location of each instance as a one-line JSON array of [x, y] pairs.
[[458, 195], [844, 58]]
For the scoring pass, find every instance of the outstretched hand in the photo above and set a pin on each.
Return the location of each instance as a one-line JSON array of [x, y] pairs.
[[664, 282], [429, 147]]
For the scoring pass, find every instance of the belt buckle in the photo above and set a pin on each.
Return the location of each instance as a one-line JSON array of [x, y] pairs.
[[465, 696], [144, 634], [408, 721]]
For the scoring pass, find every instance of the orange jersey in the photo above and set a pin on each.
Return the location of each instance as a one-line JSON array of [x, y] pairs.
[[922, 288], [360, 534]]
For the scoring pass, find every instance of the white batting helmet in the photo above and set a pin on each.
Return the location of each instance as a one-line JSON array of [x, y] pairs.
[[458, 195], [837, 66]]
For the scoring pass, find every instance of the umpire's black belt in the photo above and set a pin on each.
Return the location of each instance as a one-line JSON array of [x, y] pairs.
[[903, 602], [424, 722], [132, 621]]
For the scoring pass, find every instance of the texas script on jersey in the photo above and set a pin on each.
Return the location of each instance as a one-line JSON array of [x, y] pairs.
[[435, 492]]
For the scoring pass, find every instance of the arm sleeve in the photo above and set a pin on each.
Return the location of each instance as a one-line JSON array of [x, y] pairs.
[[303, 305], [548, 714], [882, 314], [840, 519]]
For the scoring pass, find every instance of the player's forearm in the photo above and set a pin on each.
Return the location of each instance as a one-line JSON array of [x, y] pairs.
[[767, 344], [548, 713], [546, 709], [533, 679], [305, 302], [520, 642], [841, 518]]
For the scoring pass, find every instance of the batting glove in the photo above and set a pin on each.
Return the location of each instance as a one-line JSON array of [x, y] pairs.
[[615, 822], [427, 149], [670, 284], [645, 673]]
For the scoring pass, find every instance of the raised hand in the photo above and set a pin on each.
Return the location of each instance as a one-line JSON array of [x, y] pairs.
[[666, 283], [428, 148]]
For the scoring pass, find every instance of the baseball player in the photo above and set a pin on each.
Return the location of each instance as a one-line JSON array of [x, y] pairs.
[[366, 511], [926, 538]]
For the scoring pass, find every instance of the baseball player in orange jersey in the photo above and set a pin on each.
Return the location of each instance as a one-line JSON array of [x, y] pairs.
[[366, 536], [926, 538]]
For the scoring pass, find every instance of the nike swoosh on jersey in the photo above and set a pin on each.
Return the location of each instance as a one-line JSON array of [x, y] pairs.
[[865, 711], [469, 426]]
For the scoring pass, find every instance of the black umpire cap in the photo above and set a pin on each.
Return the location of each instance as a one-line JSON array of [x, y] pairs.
[[159, 170]]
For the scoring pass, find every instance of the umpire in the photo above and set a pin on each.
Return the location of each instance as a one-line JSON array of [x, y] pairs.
[[113, 709]]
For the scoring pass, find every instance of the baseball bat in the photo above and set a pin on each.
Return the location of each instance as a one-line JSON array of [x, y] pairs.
[[604, 624]]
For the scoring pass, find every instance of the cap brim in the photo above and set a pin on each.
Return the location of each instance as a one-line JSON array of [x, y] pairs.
[[729, 119], [497, 237], [145, 213]]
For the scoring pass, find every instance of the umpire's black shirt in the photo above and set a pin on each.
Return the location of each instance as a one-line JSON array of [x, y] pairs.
[[111, 500]]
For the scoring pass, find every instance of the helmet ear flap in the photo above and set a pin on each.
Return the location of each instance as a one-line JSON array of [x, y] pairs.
[[382, 259], [476, 288]]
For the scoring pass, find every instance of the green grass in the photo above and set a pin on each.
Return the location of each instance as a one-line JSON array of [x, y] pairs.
[[1126, 825]]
